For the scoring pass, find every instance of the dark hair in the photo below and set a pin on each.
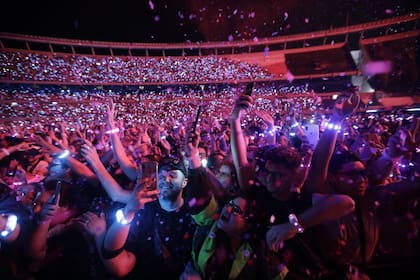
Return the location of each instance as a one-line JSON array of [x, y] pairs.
[[212, 158], [339, 158], [254, 213], [286, 156]]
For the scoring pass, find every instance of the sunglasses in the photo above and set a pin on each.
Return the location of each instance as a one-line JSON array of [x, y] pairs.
[[236, 210]]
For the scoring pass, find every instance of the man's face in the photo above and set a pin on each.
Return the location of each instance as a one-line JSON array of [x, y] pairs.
[[170, 184], [351, 179], [277, 178]]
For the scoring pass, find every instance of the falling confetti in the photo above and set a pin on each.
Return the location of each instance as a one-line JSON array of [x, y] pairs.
[[377, 67], [289, 76], [272, 219], [151, 5]]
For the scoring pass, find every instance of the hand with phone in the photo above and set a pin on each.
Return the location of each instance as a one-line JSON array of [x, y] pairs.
[[242, 102], [249, 88], [57, 193], [138, 198], [50, 208], [346, 105], [193, 137], [197, 118]]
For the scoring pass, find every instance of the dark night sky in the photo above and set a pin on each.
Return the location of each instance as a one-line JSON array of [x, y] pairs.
[[190, 20]]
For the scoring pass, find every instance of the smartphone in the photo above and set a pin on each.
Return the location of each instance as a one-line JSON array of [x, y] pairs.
[[312, 134], [249, 88], [56, 199], [197, 116], [149, 175]]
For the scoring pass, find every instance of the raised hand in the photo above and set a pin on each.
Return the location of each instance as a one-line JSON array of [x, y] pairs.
[[95, 225], [266, 117], [48, 210], [242, 102], [140, 197], [89, 152], [402, 141], [110, 113], [279, 233], [346, 105]]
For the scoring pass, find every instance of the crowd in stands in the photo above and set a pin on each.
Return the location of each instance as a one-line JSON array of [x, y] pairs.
[[28, 104], [79, 69], [245, 190]]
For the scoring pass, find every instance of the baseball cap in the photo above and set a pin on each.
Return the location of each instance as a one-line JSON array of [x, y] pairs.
[[173, 163]]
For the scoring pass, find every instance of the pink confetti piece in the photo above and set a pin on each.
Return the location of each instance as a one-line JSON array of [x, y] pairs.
[[151, 5], [377, 67]]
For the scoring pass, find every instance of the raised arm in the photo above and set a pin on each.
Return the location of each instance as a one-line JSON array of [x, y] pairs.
[[9, 150], [199, 189], [269, 135], [37, 246], [237, 141], [74, 164], [111, 186], [324, 208], [119, 152], [115, 257], [317, 176]]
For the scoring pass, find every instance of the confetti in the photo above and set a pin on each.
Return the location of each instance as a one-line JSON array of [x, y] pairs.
[[151, 5]]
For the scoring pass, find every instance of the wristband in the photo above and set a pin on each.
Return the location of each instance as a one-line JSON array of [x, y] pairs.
[[293, 220], [112, 131], [119, 215]]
